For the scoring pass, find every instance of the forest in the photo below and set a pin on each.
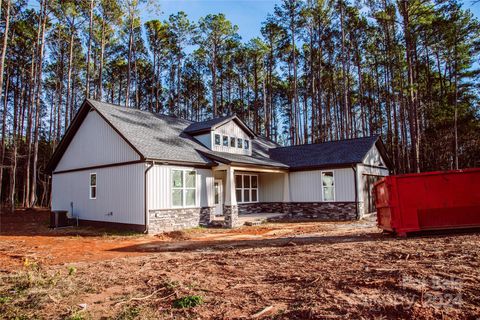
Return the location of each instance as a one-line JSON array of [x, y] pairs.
[[320, 70]]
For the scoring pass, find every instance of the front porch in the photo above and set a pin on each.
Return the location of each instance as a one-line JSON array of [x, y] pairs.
[[249, 194]]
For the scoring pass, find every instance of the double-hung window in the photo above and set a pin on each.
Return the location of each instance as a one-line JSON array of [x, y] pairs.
[[184, 189], [93, 186], [217, 139], [328, 186], [246, 144], [225, 141], [232, 142], [246, 187], [240, 143]]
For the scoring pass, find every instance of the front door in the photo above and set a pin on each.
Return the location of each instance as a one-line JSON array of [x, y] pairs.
[[218, 197]]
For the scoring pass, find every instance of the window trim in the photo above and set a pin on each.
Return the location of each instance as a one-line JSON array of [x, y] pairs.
[[184, 188], [323, 187], [90, 186], [240, 201], [223, 140], [239, 143], [234, 140], [219, 139]]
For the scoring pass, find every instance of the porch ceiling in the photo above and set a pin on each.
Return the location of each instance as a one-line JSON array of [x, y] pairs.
[[240, 167]]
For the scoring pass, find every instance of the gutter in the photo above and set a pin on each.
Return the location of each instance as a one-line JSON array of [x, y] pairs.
[[357, 215], [145, 196]]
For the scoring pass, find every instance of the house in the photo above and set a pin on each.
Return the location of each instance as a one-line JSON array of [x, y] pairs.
[[142, 171]]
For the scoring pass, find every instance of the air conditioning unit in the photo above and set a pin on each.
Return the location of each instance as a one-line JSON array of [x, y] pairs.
[[59, 218]]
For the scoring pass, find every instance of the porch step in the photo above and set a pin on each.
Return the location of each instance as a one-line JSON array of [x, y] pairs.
[[254, 223], [216, 224]]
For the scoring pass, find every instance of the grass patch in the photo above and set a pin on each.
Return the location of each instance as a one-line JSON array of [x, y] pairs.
[[187, 302], [129, 313], [71, 270]]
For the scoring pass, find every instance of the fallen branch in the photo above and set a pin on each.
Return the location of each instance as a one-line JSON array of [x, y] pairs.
[[260, 313]]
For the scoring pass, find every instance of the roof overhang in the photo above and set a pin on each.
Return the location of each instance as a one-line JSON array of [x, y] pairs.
[[234, 118]]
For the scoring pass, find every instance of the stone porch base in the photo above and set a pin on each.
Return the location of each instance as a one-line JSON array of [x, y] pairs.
[[331, 211], [164, 220]]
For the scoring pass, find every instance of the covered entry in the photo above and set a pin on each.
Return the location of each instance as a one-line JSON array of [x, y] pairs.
[[240, 190]]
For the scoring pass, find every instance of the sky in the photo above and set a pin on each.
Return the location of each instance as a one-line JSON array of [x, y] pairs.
[[248, 15]]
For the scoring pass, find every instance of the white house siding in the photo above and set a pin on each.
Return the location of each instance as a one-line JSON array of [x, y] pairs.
[[374, 158], [119, 194], [270, 187], [363, 171], [95, 143], [230, 129], [160, 191], [306, 186]]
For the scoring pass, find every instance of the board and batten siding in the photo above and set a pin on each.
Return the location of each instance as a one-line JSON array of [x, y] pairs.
[[159, 187], [120, 194], [306, 186], [230, 129], [270, 187], [95, 143]]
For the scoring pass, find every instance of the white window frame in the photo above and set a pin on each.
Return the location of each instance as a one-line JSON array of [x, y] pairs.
[[223, 141], [246, 144], [323, 187], [249, 189], [90, 186], [184, 188], [215, 140], [239, 143]]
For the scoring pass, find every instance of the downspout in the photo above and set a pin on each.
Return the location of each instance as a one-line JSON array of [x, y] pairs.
[[357, 215], [145, 196]]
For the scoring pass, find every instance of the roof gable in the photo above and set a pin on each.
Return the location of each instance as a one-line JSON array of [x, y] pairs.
[[212, 124], [327, 154], [152, 136], [95, 137]]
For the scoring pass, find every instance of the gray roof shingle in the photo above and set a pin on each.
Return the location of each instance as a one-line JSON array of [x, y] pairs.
[[164, 138], [333, 153], [206, 125]]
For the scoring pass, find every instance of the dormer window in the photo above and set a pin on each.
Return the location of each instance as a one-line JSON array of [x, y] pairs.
[[247, 144], [240, 143], [225, 141], [217, 139], [232, 142]]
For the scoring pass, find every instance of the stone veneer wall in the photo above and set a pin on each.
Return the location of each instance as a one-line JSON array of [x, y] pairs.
[[231, 216], [263, 207], [164, 220], [333, 211], [307, 210]]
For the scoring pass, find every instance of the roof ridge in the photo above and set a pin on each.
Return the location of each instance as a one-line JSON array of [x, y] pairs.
[[331, 141], [117, 106]]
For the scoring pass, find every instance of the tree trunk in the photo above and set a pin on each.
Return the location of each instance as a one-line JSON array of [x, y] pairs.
[[90, 31], [2, 65], [33, 189]]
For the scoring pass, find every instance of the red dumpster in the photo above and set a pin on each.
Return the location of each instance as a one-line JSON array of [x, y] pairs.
[[428, 201]]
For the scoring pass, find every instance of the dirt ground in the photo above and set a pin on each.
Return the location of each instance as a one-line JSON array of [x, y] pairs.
[[306, 270]]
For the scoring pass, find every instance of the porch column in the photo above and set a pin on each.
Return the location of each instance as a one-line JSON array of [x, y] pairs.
[[286, 192], [231, 209]]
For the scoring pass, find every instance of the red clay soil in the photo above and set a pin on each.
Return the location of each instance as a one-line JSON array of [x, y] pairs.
[[277, 271], [25, 235]]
